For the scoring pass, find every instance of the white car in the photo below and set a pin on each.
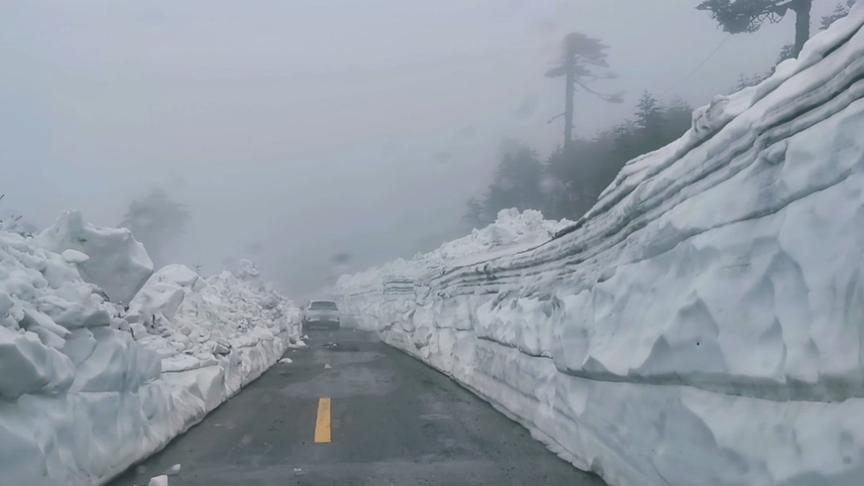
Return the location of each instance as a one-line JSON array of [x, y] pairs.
[[321, 313]]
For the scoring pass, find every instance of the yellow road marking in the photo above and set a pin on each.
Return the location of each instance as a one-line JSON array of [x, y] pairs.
[[322, 423]]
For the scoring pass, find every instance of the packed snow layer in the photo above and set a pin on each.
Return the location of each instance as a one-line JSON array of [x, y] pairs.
[[702, 324], [513, 231], [87, 389]]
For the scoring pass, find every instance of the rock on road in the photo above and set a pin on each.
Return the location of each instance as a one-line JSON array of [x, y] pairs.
[[392, 421]]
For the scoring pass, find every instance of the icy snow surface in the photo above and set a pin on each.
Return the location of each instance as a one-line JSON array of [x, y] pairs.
[[702, 324], [158, 481], [86, 388]]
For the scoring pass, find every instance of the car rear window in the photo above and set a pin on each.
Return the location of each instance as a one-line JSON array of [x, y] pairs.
[[323, 305]]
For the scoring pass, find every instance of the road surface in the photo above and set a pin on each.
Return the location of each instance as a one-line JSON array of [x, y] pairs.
[[392, 421]]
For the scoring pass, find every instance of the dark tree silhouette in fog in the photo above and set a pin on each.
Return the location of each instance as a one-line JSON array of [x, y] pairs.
[[743, 16], [592, 164], [517, 184], [568, 183], [583, 59], [156, 220], [840, 10]]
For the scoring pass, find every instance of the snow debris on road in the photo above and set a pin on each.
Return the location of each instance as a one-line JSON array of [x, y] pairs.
[[286, 361], [73, 359], [297, 343], [158, 481], [701, 324]]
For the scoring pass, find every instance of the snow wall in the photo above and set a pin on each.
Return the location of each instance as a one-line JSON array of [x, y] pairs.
[[704, 322], [88, 386]]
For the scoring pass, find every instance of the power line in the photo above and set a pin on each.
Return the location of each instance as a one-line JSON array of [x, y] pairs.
[[708, 58]]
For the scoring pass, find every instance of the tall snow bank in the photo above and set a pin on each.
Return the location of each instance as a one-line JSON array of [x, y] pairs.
[[513, 231], [702, 323], [113, 260], [82, 397]]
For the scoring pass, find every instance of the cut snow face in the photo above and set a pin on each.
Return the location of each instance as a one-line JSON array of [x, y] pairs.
[[72, 359], [700, 325], [46, 316]]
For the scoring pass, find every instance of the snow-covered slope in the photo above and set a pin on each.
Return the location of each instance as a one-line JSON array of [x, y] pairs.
[[87, 389], [703, 323]]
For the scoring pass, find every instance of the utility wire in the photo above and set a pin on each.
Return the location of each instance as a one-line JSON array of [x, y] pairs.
[[708, 58]]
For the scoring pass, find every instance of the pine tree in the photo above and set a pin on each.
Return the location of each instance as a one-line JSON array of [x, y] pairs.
[[840, 10], [648, 111], [740, 16], [583, 59]]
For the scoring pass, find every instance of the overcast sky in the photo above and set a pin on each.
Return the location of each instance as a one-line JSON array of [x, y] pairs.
[[297, 129]]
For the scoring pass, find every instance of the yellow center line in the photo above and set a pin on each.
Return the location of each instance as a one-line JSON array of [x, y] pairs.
[[322, 423]]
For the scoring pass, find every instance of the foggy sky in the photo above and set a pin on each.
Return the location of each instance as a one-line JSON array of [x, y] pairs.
[[297, 129]]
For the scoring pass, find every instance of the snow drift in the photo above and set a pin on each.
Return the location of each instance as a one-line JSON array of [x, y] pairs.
[[87, 388], [702, 324]]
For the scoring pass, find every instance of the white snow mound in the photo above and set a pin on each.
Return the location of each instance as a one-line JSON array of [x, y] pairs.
[[81, 397], [702, 323]]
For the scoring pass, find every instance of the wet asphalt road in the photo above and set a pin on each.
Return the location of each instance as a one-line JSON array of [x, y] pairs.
[[394, 421]]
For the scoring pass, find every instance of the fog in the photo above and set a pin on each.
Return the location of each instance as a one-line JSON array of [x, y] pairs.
[[293, 131]]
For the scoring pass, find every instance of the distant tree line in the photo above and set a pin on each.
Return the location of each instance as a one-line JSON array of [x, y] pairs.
[[568, 182]]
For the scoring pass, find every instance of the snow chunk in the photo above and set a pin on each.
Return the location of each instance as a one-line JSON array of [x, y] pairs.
[[191, 321], [297, 344], [158, 481], [74, 256], [31, 367], [117, 262], [115, 364]]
